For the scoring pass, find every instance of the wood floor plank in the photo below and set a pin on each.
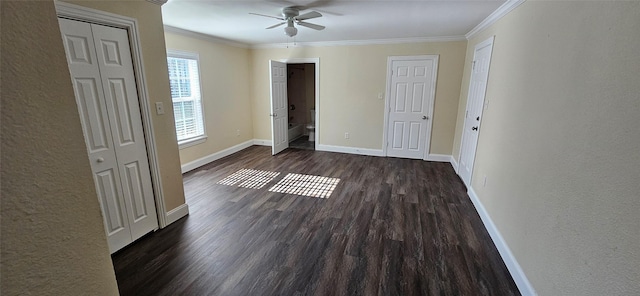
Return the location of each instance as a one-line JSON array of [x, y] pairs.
[[391, 227]]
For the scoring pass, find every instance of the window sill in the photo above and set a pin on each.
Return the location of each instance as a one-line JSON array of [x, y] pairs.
[[191, 142]]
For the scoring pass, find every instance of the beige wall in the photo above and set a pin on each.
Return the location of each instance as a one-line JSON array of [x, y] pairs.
[[350, 79], [53, 240], [224, 73], [155, 63], [560, 144]]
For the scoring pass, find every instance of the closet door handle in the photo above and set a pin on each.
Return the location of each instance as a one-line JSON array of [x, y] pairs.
[[100, 159]]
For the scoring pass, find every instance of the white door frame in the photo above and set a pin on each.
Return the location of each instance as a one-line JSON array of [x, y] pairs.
[[431, 102], [315, 61], [84, 14], [485, 43]]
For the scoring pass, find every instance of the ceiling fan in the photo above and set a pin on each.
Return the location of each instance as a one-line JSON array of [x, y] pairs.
[[291, 16]]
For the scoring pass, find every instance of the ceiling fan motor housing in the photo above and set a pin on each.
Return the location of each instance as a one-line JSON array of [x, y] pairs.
[[290, 12]]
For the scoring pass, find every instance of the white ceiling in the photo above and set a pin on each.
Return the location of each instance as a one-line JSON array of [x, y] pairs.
[[344, 20]]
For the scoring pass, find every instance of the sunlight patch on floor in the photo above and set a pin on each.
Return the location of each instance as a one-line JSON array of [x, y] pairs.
[[254, 179], [306, 185]]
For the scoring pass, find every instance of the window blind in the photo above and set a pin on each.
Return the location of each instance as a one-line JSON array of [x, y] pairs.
[[186, 97]]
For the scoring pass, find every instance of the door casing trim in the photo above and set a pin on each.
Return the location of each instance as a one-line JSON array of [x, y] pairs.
[[315, 61]]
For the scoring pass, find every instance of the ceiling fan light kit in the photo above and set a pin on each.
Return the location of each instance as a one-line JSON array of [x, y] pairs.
[[291, 16], [290, 31]]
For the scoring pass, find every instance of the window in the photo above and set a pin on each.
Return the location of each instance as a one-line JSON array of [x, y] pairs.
[[186, 96]]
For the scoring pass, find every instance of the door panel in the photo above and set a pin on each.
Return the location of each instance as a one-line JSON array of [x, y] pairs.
[[124, 126], [116, 69], [108, 194], [414, 135], [134, 185], [279, 109], [92, 113], [408, 127], [418, 95], [473, 114], [116, 222]]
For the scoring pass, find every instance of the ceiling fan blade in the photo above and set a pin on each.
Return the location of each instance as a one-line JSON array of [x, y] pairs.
[[271, 16], [312, 26], [308, 15], [276, 25]]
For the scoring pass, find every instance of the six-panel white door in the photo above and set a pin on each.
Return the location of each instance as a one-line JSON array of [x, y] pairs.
[[102, 72], [279, 107], [473, 114], [411, 88]]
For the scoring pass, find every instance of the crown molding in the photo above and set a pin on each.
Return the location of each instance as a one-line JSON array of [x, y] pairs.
[[361, 42], [503, 10], [159, 2], [204, 37]]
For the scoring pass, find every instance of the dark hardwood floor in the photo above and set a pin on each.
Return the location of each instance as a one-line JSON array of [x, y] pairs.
[[391, 227], [302, 143]]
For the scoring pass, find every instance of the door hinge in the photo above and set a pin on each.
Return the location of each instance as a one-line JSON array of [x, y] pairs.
[[473, 67]]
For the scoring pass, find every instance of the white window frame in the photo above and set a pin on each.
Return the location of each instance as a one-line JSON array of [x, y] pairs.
[[171, 53]]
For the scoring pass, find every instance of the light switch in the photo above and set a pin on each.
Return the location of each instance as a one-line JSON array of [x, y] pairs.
[[380, 96], [159, 108]]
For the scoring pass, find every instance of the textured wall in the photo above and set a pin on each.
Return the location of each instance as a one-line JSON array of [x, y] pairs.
[[224, 74], [154, 54], [53, 240], [350, 79], [560, 144]]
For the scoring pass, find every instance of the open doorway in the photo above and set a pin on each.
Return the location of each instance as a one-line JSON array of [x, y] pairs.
[[301, 99]]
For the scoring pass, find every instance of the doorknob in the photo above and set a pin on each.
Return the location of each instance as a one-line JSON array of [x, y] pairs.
[[425, 118], [272, 115], [100, 159], [475, 128]]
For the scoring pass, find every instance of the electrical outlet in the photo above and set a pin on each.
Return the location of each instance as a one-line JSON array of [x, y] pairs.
[[237, 132], [346, 135], [159, 108], [380, 96]]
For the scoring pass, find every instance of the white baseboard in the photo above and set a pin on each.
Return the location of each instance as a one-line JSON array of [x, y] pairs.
[[439, 157], [261, 142], [444, 158], [509, 260], [215, 156], [349, 150], [177, 213], [454, 163]]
